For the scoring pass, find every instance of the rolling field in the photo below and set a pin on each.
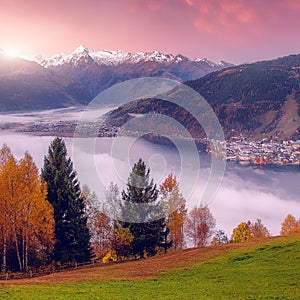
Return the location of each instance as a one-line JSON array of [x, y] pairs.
[[265, 269]]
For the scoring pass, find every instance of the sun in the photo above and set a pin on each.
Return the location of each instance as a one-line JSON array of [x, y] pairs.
[[11, 52]]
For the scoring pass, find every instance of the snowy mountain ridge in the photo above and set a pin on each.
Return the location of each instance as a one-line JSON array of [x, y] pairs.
[[98, 70], [115, 58]]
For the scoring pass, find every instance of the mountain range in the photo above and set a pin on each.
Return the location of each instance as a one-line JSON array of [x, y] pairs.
[[260, 99], [98, 70], [74, 79]]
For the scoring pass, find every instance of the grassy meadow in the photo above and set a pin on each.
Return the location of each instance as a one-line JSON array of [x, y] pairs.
[[265, 269]]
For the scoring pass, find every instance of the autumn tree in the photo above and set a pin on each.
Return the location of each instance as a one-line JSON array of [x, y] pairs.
[[10, 193], [242, 232], [200, 225], [102, 234], [27, 215], [258, 230], [247, 230], [72, 236], [106, 232], [121, 241], [102, 221], [37, 226], [175, 211], [141, 213], [5, 154], [290, 226]]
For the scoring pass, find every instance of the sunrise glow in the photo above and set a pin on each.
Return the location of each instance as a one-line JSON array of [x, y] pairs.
[[234, 31], [12, 52]]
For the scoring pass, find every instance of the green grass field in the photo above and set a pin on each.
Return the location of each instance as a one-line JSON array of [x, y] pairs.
[[264, 270]]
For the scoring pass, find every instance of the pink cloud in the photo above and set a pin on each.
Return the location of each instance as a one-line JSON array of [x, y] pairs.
[[154, 5], [293, 4], [189, 2], [205, 26], [246, 17], [234, 30]]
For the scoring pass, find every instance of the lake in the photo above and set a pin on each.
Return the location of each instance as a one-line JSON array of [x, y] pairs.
[[244, 193]]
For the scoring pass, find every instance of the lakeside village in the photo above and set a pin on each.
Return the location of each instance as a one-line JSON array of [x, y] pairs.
[[259, 152], [238, 148]]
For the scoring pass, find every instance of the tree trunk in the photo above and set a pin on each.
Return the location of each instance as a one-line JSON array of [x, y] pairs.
[[23, 250], [26, 251], [4, 249], [17, 249], [182, 237], [4, 237]]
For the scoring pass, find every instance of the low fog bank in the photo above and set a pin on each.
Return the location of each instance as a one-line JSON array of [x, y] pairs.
[[245, 193]]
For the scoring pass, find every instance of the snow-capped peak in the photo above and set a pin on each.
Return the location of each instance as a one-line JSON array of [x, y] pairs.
[[222, 63], [60, 59], [205, 60], [81, 50], [113, 58]]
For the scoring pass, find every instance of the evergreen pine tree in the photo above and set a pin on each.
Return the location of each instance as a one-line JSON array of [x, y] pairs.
[[141, 212], [72, 236]]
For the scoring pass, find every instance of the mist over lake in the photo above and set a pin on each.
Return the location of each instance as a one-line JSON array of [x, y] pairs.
[[245, 193]]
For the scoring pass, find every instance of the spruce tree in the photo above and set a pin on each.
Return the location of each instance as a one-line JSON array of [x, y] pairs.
[[142, 213], [72, 236]]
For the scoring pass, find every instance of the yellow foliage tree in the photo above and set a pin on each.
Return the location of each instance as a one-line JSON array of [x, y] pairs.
[[5, 154], [27, 217], [37, 228], [109, 257], [246, 231], [11, 195], [242, 232], [175, 210], [121, 241], [290, 226]]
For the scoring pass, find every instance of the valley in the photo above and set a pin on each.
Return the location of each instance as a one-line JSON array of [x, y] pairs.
[[149, 150], [63, 123]]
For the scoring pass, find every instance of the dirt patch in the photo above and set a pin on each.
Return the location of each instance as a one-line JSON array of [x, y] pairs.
[[140, 269]]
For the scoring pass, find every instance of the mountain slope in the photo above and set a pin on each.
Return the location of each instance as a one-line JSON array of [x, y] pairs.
[[219, 272], [98, 70], [258, 100], [25, 85]]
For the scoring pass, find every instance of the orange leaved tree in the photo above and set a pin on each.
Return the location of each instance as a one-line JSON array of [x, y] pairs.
[[258, 230], [290, 226], [200, 225], [37, 226], [175, 210], [5, 154], [27, 222]]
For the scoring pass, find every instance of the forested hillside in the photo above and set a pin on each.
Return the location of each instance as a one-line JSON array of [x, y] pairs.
[[260, 99]]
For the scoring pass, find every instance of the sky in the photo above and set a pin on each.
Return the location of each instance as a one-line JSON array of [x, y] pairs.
[[236, 31]]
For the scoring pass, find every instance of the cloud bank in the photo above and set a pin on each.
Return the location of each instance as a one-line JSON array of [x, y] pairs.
[[245, 193]]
